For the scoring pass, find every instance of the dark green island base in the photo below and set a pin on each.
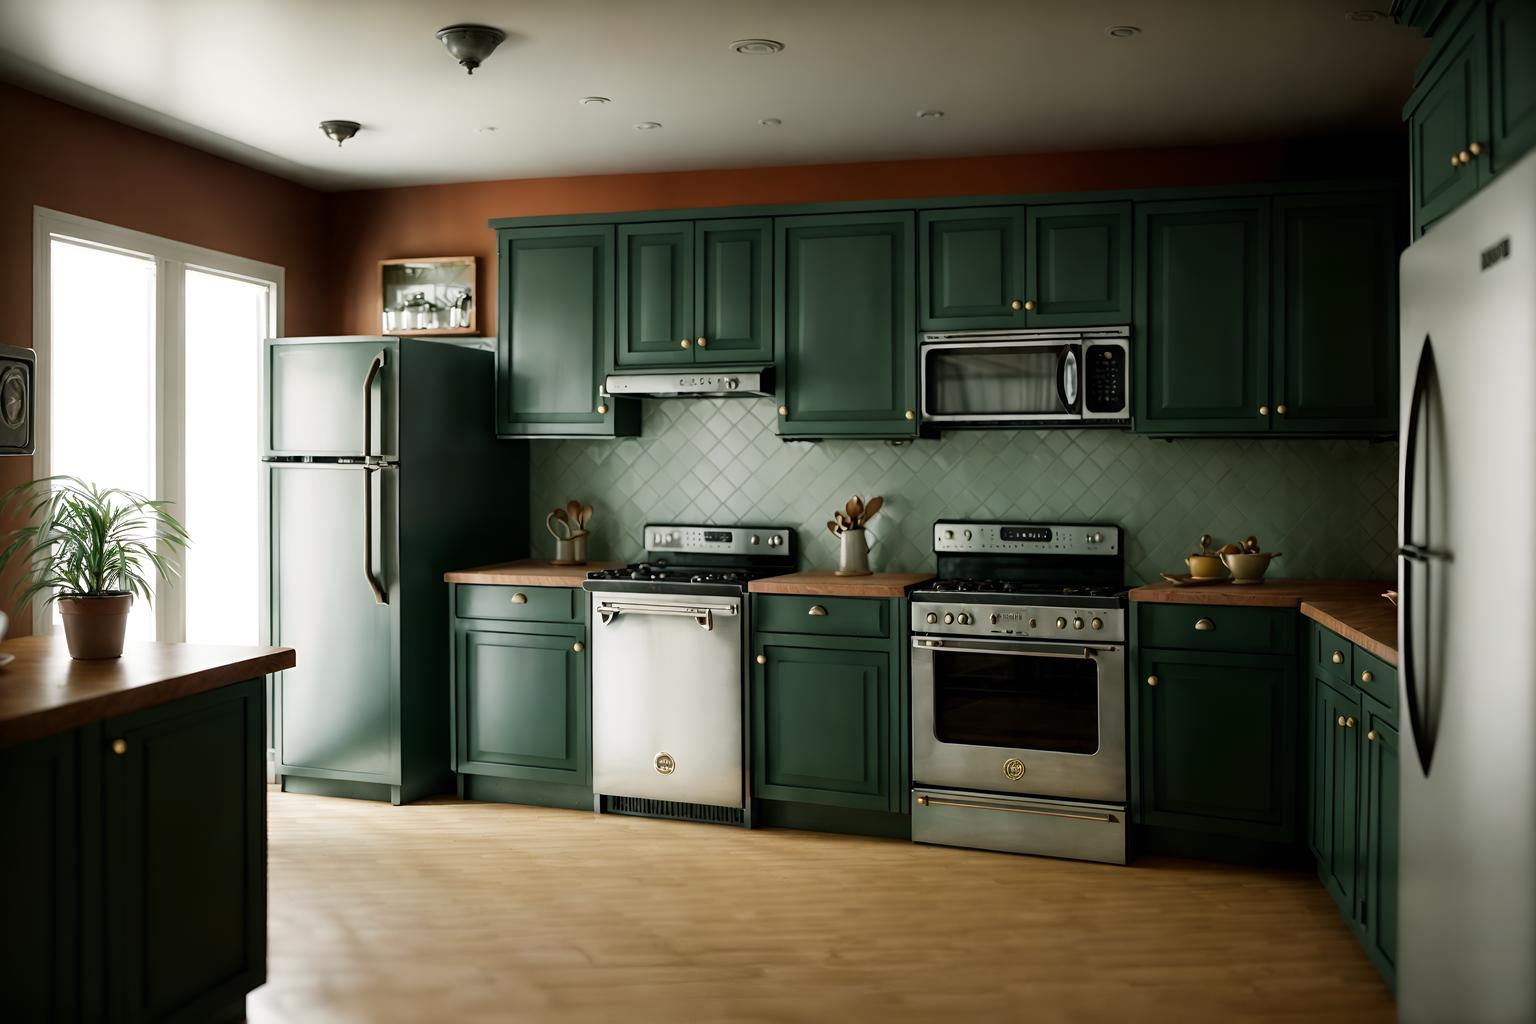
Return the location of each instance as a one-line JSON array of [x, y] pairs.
[[134, 798]]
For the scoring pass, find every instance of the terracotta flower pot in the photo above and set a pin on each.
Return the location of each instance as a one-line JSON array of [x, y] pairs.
[[94, 626]]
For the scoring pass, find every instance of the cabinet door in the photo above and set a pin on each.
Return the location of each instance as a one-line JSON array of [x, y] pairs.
[[733, 291], [1512, 75], [1449, 112], [556, 328], [1335, 728], [1202, 317], [184, 842], [40, 802], [821, 727], [522, 704], [1335, 308], [972, 268], [846, 333], [1079, 264], [1217, 743], [1379, 834], [655, 295]]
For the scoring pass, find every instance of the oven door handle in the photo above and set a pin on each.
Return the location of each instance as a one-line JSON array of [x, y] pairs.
[[1074, 651], [704, 615], [924, 800]]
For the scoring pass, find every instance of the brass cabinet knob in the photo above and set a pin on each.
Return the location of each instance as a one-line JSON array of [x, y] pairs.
[[578, 646], [1338, 657], [1204, 625], [816, 609], [762, 659], [119, 747], [1464, 158], [1016, 304], [1280, 408], [1373, 736], [1263, 410], [684, 343], [783, 410], [603, 409], [703, 343], [1349, 723], [1367, 677], [1455, 160], [1151, 680], [911, 415], [1029, 303], [1474, 148], [519, 598], [1339, 720]]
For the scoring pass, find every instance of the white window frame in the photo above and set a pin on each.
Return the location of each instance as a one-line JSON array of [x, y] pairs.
[[172, 259]]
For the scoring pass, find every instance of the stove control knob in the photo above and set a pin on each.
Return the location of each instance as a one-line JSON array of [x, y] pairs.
[[964, 619], [949, 619], [756, 539], [1097, 623], [1033, 623], [992, 618], [967, 534], [949, 534], [775, 540], [1077, 622], [1095, 538], [1061, 623], [932, 617], [731, 383]]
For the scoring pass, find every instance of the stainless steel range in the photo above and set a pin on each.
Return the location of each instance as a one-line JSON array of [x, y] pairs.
[[669, 671], [1019, 691]]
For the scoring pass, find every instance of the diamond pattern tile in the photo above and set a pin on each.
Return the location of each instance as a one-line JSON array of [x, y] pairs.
[[1329, 506]]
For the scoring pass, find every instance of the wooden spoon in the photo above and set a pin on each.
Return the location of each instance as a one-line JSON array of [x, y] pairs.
[[855, 509], [573, 510], [833, 528], [873, 507], [586, 515]]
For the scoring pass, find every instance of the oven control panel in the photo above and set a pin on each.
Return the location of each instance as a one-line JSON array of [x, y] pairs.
[[964, 537], [663, 540], [1019, 622]]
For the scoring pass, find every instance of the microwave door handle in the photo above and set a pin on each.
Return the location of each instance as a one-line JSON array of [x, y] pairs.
[[1066, 378]]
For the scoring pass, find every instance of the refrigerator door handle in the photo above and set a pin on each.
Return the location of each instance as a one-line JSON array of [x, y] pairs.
[[1415, 558], [380, 595], [374, 367]]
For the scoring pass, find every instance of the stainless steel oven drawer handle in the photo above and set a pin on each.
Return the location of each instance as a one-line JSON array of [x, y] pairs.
[[1075, 651], [938, 801], [704, 616]]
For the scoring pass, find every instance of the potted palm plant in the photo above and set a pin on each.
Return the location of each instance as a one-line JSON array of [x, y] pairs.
[[90, 549]]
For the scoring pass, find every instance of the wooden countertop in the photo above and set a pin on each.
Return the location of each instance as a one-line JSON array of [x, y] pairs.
[[825, 583], [45, 691], [529, 572], [1366, 621]]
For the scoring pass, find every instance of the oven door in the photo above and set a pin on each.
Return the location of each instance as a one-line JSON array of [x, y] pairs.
[[1001, 381], [1007, 716]]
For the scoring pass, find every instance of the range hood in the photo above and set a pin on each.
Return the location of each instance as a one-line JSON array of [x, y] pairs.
[[746, 381]]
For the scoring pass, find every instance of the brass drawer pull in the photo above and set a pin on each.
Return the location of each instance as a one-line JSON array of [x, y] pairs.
[[119, 747], [1338, 657], [519, 598], [816, 609], [1151, 680], [1204, 625], [1367, 677]]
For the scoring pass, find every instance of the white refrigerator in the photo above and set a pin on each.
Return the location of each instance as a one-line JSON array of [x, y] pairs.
[[1467, 633]]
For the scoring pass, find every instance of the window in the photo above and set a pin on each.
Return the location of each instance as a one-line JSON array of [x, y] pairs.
[[148, 355]]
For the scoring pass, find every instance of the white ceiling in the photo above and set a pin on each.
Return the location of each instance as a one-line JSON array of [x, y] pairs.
[[251, 79]]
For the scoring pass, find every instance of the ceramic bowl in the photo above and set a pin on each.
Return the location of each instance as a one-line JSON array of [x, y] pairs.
[[1204, 567], [1246, 568]]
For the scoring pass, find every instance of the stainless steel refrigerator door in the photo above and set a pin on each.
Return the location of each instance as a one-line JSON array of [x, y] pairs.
[[315, 401], [667, 698], [1467, 647], [337, 706]]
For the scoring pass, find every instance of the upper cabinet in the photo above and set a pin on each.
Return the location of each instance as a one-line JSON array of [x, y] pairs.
[[695, 293], [1473, 111], [1066, 265], [847, 337], [555, 321]]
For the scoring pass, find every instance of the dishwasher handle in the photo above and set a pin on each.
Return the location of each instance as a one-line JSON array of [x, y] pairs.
[[704, 615]]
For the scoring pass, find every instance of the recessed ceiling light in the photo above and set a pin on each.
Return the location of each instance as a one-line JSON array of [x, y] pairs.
[[1363, 17], [757, 47], [485, 129], [1122, 31], [647, 126], [769, 122], [930, 115], [594, 101]]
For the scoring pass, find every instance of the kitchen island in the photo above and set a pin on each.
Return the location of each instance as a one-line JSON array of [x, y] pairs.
[[134, 799]]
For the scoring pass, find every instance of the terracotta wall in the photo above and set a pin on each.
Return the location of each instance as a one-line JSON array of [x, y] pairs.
[[65, 159], [450, 220]]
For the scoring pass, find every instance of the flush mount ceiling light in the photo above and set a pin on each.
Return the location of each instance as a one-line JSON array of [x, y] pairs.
[[470, 45], [647, 126], [769, 122], [757, 47], [1122, 31], [930, 115], [1365, 17], [593, 101], [341, 131]]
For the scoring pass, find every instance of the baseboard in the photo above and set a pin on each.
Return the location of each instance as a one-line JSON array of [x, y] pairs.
[[496, 789], [821, 818]]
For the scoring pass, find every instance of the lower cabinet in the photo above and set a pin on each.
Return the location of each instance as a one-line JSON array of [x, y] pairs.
[[521, 696], [829, 715], [144, 860]]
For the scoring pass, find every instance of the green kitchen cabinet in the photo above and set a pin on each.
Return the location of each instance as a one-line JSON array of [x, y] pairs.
[[1335, 315], [1448, 118], [1202, 345], [655, 295], [556, 333], [972, 268], [1215, 744], [1379, 835], [845, 325], [1335, 786], [1512, 78], [1079, 265]]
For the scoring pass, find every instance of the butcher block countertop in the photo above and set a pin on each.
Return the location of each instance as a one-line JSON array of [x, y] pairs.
[[1354, 609], [529, 572], [825, 583], [45, 691]]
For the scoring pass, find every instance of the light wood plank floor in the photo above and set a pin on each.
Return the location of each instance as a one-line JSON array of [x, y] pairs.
[[460, 912]]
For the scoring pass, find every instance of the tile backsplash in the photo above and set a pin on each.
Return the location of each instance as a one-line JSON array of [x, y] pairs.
[[1330, 507]]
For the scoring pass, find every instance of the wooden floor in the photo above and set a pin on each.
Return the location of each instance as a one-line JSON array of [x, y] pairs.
[[483, 912]]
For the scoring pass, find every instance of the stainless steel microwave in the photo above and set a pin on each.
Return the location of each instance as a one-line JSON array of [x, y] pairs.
[[17, 371], [1066, 376]]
